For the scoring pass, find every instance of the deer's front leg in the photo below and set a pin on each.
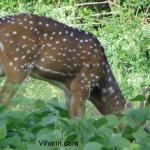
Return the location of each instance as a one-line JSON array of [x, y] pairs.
[[75, 105], [77, 100]]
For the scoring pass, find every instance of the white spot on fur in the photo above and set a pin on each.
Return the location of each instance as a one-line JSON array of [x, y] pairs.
[[49, 70], [111, 90], [109, 79], [10, 64], [104, 90], [16, 58], [1, 47], [83, 74], [14, 32], [104, 99], [117, 102]]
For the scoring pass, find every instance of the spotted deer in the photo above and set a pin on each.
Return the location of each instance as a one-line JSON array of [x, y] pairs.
[[71, 59]]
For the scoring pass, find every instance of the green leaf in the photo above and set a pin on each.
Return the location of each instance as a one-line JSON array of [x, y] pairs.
[[48, 119], [93, 145], [123, 120], [4, 114], [64, 124], [43, 131], [8, 148], [46, 139], [114, 140], [138, 114], [140, 135], [144, 147], [3, 143], [71, 137], [58, 134], [14, 141], [70, 129], [105, 131], [112, 119], [29, 135], [135, 146], [131, 123], [18, 122], [126, 148], [37, 147], [63, 112], [3, 108], [100, 122], [23, 146], [18, 115], [39, 104], [128, 132], [53, 102], [124, 143], [3, 130], [138, 98], [96, 138]]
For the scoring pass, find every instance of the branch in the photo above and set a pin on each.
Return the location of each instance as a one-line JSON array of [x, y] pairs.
[[147, 9], [144, 93], [95, 15], [142, 106], [146, 90], [93, 3]]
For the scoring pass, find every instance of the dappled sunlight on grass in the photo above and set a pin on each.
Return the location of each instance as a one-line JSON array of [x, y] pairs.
[[32, 90]]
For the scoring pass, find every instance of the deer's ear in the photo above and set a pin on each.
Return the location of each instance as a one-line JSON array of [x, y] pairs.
[[128, 105]]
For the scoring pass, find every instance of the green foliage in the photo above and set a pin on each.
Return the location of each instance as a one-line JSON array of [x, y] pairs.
[[123, 28], [46, 124], [138, 98]]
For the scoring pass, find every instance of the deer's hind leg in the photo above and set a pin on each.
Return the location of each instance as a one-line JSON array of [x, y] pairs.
[[68, 102], [15, 74]]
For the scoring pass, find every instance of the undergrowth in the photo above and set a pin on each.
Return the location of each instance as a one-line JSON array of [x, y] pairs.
[[123, 29]]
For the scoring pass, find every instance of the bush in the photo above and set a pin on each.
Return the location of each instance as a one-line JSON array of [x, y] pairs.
[[123, 28], [48, 127]]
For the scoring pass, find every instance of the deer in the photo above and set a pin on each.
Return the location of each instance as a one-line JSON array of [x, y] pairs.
[[69, 58]]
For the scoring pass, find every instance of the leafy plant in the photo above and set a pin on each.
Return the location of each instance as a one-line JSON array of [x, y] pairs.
[[123, 28], [48, 127]]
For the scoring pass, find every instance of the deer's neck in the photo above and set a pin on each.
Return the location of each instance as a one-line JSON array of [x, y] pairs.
[[111, 94], [109, 98]]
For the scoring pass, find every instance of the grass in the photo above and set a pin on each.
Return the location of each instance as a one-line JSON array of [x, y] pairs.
[[32, 89]]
